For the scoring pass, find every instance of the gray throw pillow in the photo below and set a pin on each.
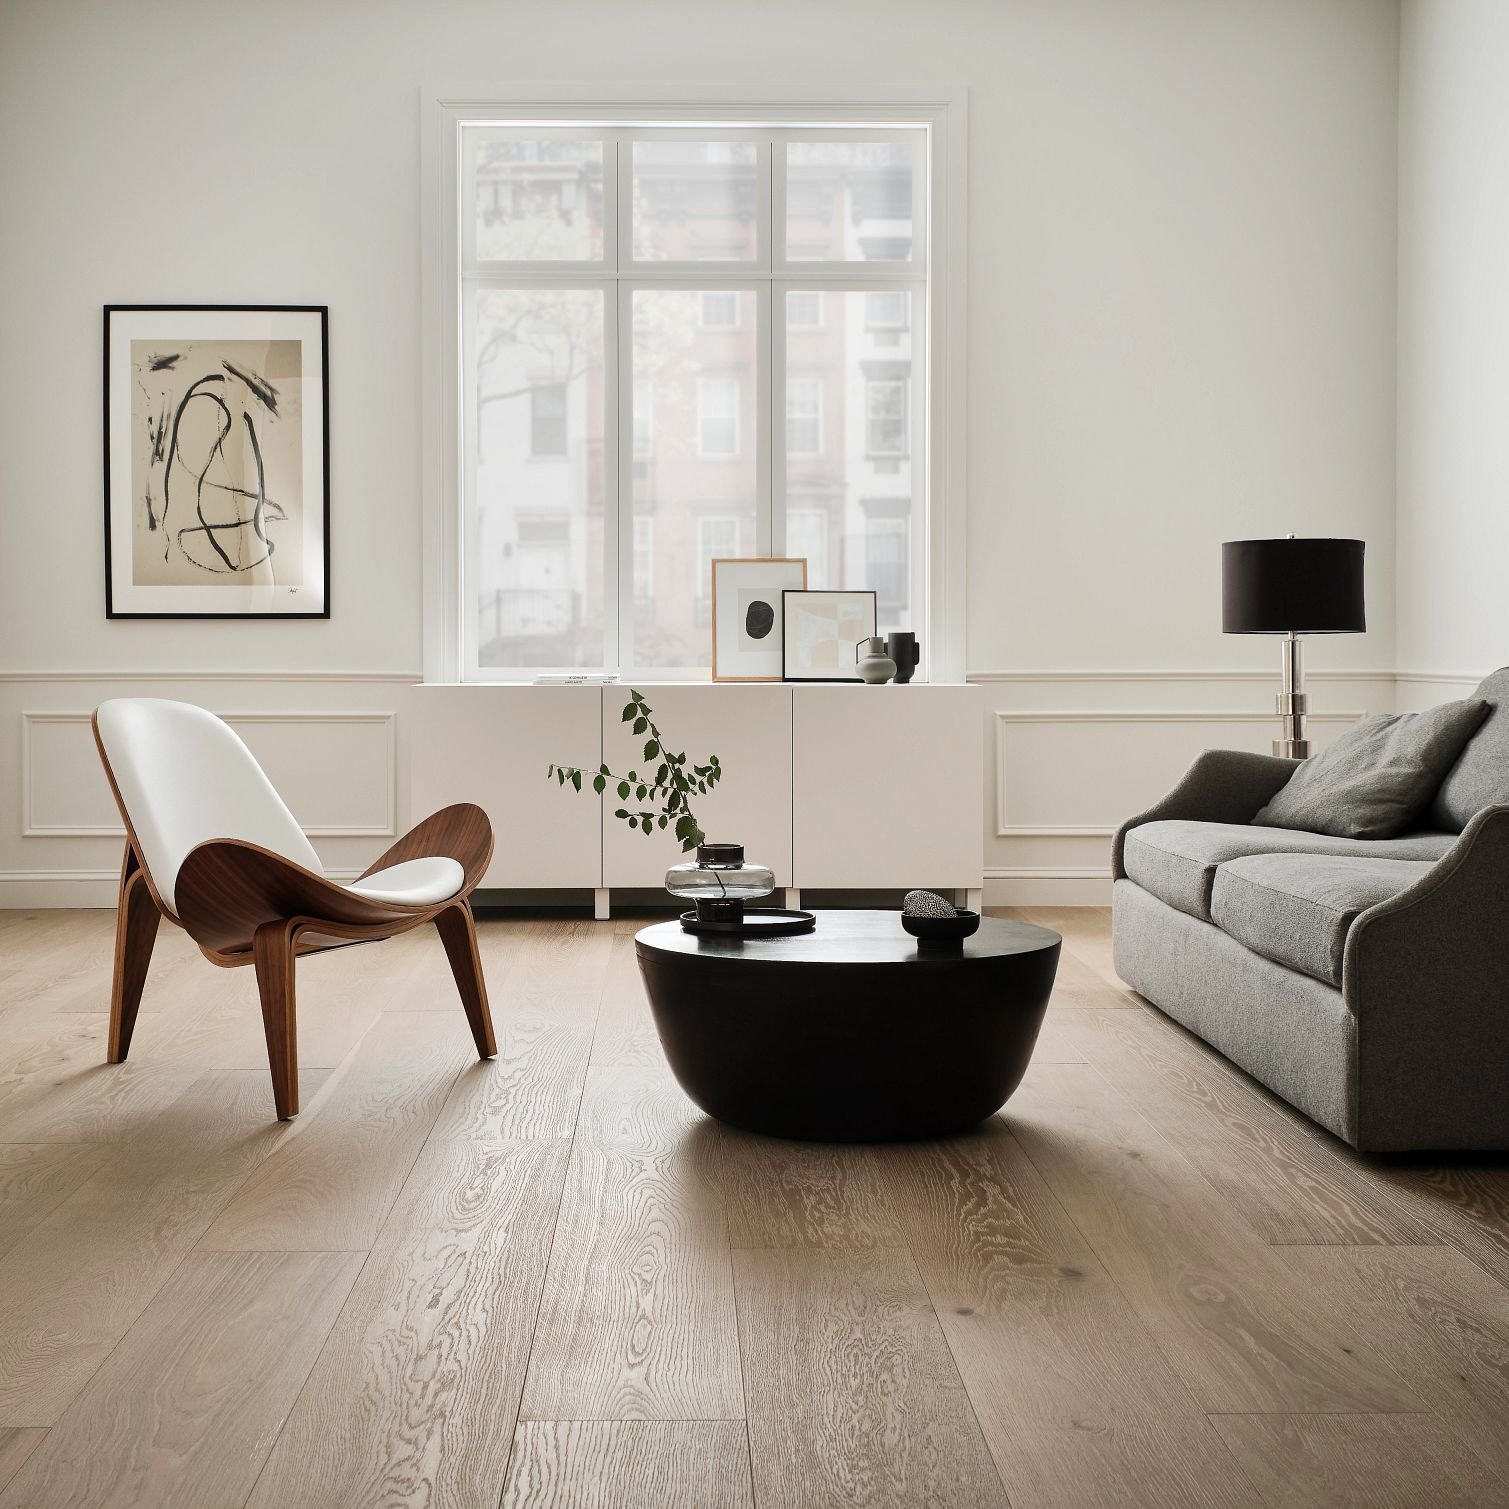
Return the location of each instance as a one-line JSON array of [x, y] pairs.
[[1377, 777]]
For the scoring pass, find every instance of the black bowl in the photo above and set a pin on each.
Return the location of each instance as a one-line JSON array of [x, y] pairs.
[[941, 932]]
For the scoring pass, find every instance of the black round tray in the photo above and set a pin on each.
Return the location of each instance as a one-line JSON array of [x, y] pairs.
[[758, 922]]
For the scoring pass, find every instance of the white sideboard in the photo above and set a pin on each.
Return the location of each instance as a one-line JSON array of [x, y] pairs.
[[833, 786]]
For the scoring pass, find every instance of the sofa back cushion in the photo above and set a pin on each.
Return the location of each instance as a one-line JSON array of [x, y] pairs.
[[1480, 778], [1378, 777]]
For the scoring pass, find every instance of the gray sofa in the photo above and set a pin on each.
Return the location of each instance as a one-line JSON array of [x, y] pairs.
[[1364, 981]]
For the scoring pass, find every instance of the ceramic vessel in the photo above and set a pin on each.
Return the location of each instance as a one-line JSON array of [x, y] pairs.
[[875, 666]]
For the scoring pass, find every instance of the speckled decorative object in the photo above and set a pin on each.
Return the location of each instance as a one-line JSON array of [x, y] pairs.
[[926, 904]]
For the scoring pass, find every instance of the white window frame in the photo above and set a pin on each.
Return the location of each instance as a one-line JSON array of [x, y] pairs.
[[939, 225]]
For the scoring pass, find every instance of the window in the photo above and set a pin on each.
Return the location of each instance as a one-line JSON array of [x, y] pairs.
[[547, 420], [804, 309], [804, 416], [887, 311], [717, 333], [717, 417], [886, 417], [718, 310]]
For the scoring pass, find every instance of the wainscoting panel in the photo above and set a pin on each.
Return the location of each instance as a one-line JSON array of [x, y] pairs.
[[336, 770]]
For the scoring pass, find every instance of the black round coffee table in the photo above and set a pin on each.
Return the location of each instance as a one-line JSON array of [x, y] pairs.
[[849, 1033]]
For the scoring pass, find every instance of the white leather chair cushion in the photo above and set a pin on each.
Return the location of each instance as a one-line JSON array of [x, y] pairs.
[[416, 882], [185, 777]]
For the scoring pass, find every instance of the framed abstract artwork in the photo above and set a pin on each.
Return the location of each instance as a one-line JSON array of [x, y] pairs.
[[217, 473], [821, 634], [747, 622]]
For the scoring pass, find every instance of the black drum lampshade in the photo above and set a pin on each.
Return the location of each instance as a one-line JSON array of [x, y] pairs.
[[1292, 587]]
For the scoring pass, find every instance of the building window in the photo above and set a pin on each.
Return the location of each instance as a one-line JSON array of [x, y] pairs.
[[890, 310], [718, 309], [547, 420], [804, 309], [886, 404], [804, 416], [631, 307], [717, 417], [886, 550]]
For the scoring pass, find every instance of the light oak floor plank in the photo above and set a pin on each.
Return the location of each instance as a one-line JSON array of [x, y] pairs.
[[414, 1398], [637, 1319], [15, 1447], [1076, 1401], [1288, 1186], [852, 1395], [36, 1177], [629, 1464], [331, 1184], [1216, 1298], [74, 1284], [1359, 1462], [185, 1409], [1440, 1317]]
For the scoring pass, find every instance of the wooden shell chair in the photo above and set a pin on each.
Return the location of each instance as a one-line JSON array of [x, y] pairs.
[[211, 847]]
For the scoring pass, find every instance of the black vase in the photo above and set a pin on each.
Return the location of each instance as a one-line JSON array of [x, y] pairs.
[[903, 648]]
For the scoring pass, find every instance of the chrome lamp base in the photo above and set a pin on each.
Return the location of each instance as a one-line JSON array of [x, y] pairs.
[[1292, 704]]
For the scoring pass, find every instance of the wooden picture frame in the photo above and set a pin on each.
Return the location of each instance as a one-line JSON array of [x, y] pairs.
[[217, 460], [805, 657], [741, 586]]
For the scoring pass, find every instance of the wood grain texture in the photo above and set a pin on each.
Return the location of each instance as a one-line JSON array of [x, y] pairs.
[[186, 1408], [72, 1287], [1288, 1186], [1077, 1403], [852, 1396], [15, 1447], [1217, 1299], [330, 1187], [1359, 1462], [415, 1395], [629, 1464], [136, 923], [1439, 1316], [637, 1318], [35, 1178], [802, 1194]]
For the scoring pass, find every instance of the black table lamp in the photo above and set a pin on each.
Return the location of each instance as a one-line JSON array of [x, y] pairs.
[[1292, 587]]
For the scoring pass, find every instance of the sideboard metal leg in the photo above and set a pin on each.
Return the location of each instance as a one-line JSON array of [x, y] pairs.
[[600, 903]]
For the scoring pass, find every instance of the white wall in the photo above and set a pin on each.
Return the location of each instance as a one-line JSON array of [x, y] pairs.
[[1453, 340], [1181, 330]]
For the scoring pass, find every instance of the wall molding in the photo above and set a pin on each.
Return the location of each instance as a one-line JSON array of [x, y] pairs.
[[386, 828], [393, 677], [1181, 674], [1004, 717]]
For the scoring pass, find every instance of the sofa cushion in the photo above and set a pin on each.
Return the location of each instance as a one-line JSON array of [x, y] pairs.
[[1177, 859], [1378, 776], [1480, 777], [1296, 909]]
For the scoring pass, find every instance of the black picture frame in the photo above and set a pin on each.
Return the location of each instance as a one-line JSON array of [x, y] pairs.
[[791, 592], [110, 311]]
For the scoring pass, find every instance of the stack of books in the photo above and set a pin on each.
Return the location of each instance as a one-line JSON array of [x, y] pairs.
[[576, 678]]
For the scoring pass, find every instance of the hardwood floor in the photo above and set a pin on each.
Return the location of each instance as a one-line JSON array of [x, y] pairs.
[[547, 1280]]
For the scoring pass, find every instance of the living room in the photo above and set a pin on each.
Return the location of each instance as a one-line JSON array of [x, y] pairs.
[[790, 524]]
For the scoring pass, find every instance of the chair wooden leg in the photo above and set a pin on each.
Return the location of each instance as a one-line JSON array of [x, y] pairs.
[[458, 932], [273, 957], [136, 919]]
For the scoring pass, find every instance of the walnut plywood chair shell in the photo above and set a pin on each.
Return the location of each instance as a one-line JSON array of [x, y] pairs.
[[211, 846]]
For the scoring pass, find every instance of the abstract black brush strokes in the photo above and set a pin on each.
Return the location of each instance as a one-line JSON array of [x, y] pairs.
[[217, 463]]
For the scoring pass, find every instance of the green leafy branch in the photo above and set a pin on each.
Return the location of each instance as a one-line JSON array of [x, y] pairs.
[[663, 793]]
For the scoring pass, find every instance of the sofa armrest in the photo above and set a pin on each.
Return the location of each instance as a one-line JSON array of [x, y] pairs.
[[1222, 786], [1426, 975]]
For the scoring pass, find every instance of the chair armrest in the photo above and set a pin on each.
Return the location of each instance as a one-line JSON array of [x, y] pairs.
[[1222, 786], [1426, 975], [461, 832]]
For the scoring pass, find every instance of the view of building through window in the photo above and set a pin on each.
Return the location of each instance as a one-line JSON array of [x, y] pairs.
[[712, 336]]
